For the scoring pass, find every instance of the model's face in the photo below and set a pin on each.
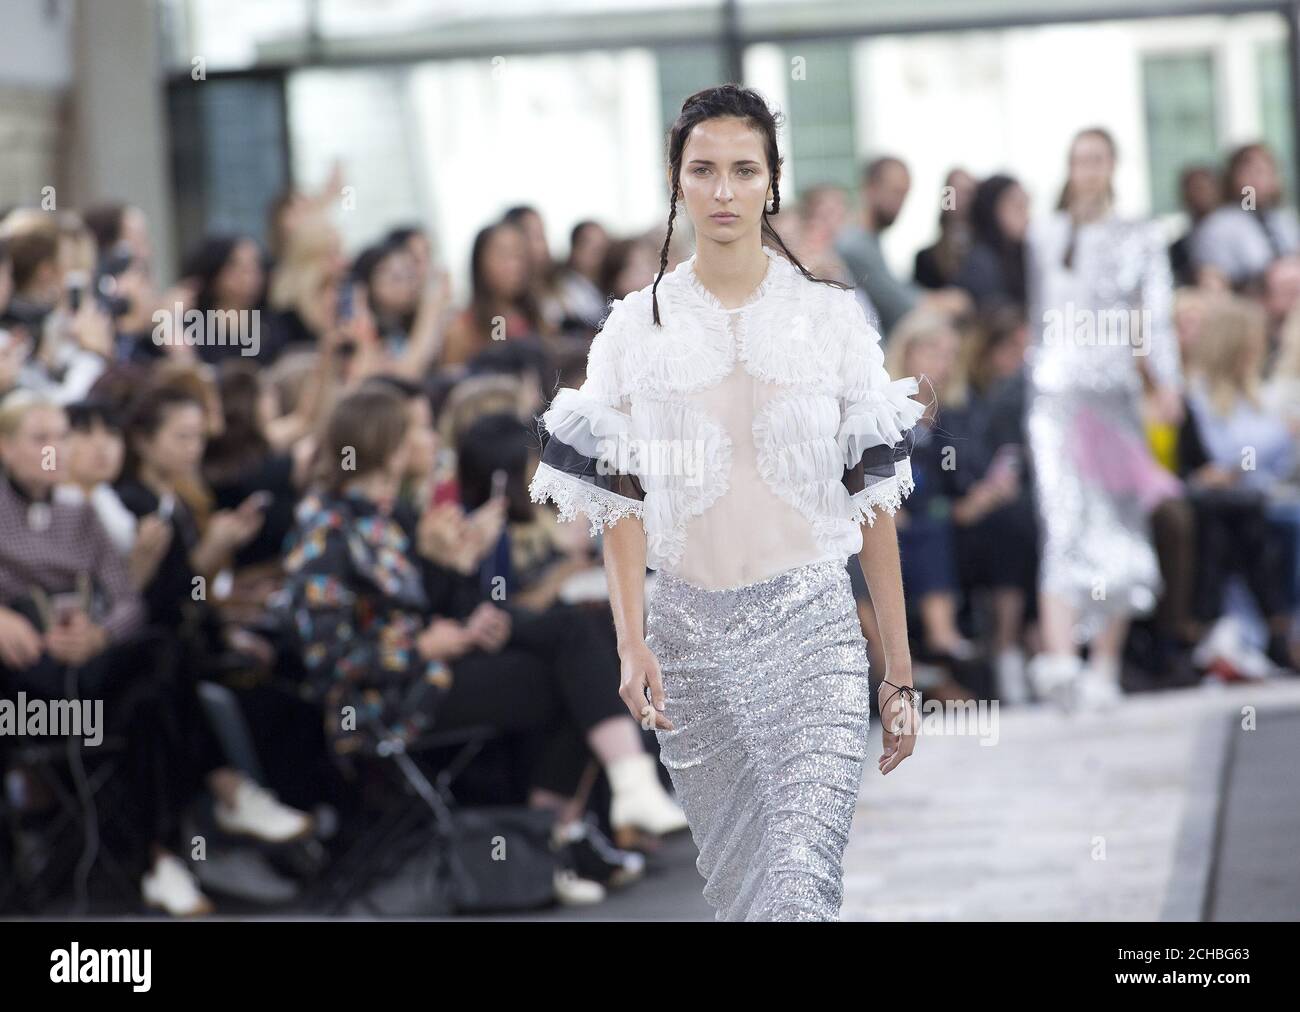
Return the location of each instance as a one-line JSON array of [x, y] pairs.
[[1091, 166], [724, 179], [94, 455], [41, 440]]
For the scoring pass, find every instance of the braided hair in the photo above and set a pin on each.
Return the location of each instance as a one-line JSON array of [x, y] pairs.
[[713, 103]]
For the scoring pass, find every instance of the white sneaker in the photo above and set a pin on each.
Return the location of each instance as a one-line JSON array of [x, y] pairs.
[[1096, 692], [1098, 687], [171, 887], [257, 813], [574, 891], [1054, 676], [1012, 680]]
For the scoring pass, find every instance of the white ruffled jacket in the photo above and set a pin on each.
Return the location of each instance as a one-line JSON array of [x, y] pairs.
[[837, 408]]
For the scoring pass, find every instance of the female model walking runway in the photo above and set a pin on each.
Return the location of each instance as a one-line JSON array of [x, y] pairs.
[[737, 432], [1100, 302]]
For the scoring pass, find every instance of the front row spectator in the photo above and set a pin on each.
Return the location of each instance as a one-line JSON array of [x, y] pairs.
[[72, 625], [381, 662], [1232, 453]]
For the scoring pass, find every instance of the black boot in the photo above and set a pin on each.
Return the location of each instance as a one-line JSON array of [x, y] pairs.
[[591, 854]]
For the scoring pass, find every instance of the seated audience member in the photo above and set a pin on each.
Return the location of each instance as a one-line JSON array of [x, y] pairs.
[[503, 305], [936, 266], [1232, 454], [373, 646], [1251, 227], [71, 618]]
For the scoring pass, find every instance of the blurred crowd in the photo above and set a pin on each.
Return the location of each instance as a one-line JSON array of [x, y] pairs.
[[303, 477]]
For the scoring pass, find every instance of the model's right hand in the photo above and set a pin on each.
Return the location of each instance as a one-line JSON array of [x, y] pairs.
[[639, 670]]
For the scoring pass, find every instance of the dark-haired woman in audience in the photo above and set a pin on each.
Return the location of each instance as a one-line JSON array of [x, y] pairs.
[[936, 266], [580, 293], [227, 274], [70, 606], [165, 438], [994, 269], [374, 645], [503, 306]]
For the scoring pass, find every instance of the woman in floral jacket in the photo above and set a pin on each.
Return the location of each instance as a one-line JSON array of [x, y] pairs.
[[357, 600]]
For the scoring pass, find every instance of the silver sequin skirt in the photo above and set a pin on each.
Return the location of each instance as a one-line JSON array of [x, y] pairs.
[[768, 693], [1096, 484]]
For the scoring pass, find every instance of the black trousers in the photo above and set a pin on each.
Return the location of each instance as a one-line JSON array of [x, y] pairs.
[[1236, 537], [151, 703], [555, 679]]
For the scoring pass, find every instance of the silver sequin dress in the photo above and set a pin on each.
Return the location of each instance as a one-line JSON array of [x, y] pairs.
[[796, 436], [1093, 323]]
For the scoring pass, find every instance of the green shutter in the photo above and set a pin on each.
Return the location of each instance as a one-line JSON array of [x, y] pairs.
[[1181, 129], [1275, 108], [820, 115]]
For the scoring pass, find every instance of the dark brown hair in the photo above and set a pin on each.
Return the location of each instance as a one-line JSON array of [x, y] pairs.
[[242, 442], [714, 103], [371, 422], [1231, 191], [147, 414]]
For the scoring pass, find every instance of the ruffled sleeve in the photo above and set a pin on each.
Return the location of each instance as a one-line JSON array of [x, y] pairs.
[[876, 418], [588, 463]]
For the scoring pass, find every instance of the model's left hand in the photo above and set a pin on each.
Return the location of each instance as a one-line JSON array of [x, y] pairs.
[[898, 721]]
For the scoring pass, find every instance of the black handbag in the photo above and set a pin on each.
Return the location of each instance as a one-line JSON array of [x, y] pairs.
[[498, 859]]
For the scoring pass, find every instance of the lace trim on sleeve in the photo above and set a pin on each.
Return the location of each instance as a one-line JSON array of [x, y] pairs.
[[573, 495], [887, 494]]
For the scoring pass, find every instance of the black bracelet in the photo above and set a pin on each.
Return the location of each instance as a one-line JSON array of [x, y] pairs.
[[912, 691]]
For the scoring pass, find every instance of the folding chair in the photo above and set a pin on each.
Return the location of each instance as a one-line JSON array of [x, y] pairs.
[[46, 858], [419, 816]]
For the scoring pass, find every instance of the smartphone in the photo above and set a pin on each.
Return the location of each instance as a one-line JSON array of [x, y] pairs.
[[76, 285], [345, 306], [499, 480]]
